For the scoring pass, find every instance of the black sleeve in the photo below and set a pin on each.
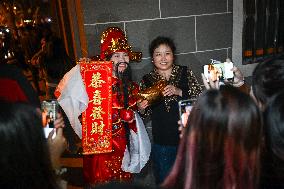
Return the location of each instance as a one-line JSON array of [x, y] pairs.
[[184, 83]]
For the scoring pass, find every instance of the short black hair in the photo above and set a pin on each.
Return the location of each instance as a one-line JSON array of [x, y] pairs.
[[159, 41]]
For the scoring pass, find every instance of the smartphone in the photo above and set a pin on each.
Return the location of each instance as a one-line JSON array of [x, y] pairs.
[[219, 71], [49, 110], [185, 107]]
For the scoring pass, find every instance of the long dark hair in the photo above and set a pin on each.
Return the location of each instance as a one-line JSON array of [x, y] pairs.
[[25, 159], [221, 147]]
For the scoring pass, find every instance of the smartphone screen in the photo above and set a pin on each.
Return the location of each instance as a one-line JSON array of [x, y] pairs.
[[228, 73], [47, 130], [220, 71], [49, 111], [185, 107]]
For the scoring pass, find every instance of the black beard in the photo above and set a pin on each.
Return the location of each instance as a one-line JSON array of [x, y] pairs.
[[125, 75]]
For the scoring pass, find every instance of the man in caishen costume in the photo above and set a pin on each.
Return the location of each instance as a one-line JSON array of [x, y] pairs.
[[117, 153]]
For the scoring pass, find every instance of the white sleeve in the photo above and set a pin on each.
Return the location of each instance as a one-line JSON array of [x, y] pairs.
[[140, 148], [73, 97]]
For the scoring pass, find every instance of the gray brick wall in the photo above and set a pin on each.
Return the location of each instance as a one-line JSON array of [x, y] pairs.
[[201, 29]]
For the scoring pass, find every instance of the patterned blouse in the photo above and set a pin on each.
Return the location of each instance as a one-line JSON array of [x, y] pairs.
[[165, 114]]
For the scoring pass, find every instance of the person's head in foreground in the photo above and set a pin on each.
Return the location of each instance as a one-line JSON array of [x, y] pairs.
[[221, 146], [273, 158], [267, 80], [274, 125], [25, 160]]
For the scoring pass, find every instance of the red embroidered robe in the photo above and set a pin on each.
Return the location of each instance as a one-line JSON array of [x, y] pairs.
[[104, 167]]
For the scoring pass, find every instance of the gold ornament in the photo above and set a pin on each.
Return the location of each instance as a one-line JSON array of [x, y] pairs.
[[153, 93]]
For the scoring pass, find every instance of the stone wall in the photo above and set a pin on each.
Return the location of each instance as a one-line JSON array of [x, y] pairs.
[[201, 29]]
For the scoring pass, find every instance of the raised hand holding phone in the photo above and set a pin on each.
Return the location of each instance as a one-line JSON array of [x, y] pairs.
[[238, 77], [217, 73], [56, 145], [185, 107], [50, 110]]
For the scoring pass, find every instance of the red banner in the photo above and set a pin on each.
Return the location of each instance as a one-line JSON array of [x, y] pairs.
[[97, 120]]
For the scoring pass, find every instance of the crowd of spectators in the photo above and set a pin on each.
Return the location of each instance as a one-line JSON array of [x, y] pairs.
[[233, 139], [37, 51]]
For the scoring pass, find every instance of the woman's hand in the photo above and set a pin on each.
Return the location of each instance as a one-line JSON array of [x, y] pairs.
[[57, 146], [142, 105], [238, 80], [171, 90], [59, 122], [238, 77], [181, 128]]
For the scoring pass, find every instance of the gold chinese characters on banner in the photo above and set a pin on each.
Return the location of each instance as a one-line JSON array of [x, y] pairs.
[[96, 120]]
